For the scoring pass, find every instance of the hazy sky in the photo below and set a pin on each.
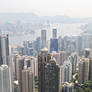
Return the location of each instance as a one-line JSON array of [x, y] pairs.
[[73, 8]]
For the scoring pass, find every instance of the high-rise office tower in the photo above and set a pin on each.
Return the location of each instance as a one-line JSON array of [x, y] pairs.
[[43, 38], [63, 57], [68, 87], [54, 41], [66, 43], [12, 71], [19, 66], [53, 45], [74, 62], [54, 33], [4, 78], [83, 72], [66, 72], [90, 68], [30, 62], [51, 77], [48, 73], [4, 49], [27, 80], [79, 44], [61, 46], [38, 44]]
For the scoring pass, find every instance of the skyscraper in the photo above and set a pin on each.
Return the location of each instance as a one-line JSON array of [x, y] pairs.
[[4, 79], [30, 62], [51, 77], [38, 44], [53, 45], [66, 72], [63, 57], [61, 46], [4, 49], [43, 38], [74, 62], [54, 42], [83, 72], [48, 73], [27, 80], [19, 66], [79, 44], [54, 33]]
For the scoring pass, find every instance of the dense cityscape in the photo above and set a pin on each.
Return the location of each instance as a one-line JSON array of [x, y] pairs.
[[62, 63]]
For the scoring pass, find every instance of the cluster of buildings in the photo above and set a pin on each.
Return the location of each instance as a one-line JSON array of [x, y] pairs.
[[34, 68], [70, 44]]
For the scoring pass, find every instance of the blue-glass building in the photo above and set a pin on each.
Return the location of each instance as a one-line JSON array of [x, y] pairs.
[[53, 45]]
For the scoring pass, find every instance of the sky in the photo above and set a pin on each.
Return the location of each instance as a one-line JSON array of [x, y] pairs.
[[72, 8]]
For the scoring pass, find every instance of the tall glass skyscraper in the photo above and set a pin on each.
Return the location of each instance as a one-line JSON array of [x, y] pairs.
[[54, 33]]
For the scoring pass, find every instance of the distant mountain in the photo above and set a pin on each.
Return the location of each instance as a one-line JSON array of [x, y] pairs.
[[18, 16], [31, 17]]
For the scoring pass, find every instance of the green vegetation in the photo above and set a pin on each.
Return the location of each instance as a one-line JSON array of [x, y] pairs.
[[36, 84], [84, 88], [73, 80]]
